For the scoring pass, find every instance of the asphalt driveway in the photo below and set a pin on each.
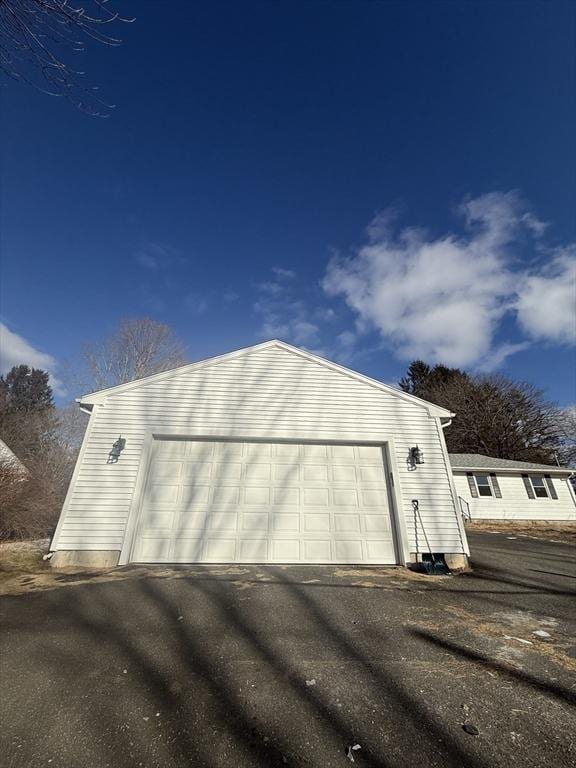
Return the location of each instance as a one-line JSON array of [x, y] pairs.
[[275, 666]]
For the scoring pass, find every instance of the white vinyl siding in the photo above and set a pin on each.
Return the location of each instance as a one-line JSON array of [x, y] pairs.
[[269, 393], [515, 504]]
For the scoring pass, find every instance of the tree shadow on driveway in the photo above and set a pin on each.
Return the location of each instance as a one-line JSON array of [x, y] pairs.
[[275, 666]]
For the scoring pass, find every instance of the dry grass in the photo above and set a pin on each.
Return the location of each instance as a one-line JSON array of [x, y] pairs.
[[31, 498], [22, 570], [538, 529]]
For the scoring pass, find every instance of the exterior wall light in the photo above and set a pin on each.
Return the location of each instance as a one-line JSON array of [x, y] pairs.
[[117, 448], [416, 455]]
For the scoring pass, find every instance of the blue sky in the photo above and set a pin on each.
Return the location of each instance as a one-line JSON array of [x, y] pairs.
[[374, 181]]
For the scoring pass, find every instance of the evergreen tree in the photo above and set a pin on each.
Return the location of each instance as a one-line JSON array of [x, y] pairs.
[[25, 390], [416, 377]]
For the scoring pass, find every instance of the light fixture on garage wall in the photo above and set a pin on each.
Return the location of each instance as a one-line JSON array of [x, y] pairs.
[[416, 456], [117, 448]]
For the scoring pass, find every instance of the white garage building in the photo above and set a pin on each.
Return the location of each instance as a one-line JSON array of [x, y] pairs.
[[265, 455]]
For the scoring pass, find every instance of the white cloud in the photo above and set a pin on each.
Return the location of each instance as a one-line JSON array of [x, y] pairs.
[[156, 256], [499, 354], [196, 303], [15, 350], [286, 316], [546, 303], [271, 288], [443, 299], [284, 274]]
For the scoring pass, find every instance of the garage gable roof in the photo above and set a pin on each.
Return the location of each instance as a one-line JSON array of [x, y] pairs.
[[99, 396]]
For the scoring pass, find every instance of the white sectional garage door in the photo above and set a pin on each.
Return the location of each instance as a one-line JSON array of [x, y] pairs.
[[256, 502]]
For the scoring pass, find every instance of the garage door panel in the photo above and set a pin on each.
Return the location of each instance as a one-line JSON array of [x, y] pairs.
[[376, 523], [342, 452], [172, 449], [188, 550], [255, 521], [369, 454], [258, 471], [191, 521], [227, 471], [374, 498], [257, 496], [287, 451], [315, 451], [345, 497], [229, 451], [200, 450], [166, 471], [315, 472], [226, 495], [285, 550], [234, 501], [286, 473], [348, 550], [153, 550], [317, 550], [316, 522], [158, 519], [220, 549], [257, 452], [223, 521], [379, 551], [254, 550], [196, 471], [163, 493], [316, 497], [194, 495], [286, 496], [343, 474], [284, 522], [370, 474], [347, 523]]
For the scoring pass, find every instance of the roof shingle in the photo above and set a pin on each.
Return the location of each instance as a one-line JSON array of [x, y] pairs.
[[479, 461]]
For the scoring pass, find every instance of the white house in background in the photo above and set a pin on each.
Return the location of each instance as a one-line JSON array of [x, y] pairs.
[[9, 457], [499, 489], [269, 454]]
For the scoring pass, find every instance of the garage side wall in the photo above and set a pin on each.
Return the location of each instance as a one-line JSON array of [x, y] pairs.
[[515, 504], [268, 394]]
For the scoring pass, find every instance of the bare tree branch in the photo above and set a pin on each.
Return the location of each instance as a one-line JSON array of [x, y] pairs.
[[140, 347], [34, 36]]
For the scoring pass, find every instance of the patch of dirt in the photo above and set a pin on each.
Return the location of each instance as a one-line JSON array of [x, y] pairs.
[[23, 570], [515, 630], [565, 532]]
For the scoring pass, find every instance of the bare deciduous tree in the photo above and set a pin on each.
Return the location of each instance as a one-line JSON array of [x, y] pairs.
[[495, 416], [566, 449], [140, 347], [30, 501], [499, 417], [36, 34]]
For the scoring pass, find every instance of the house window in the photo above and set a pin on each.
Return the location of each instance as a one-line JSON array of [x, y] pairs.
[[484, 485], [539, 487]]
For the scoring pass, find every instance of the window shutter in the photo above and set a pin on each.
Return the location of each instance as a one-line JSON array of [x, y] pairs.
[[551, 489], [472, 484], [495, 486], [528, 486]]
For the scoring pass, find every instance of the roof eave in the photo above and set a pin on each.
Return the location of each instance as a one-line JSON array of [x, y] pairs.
[[516, 470]]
